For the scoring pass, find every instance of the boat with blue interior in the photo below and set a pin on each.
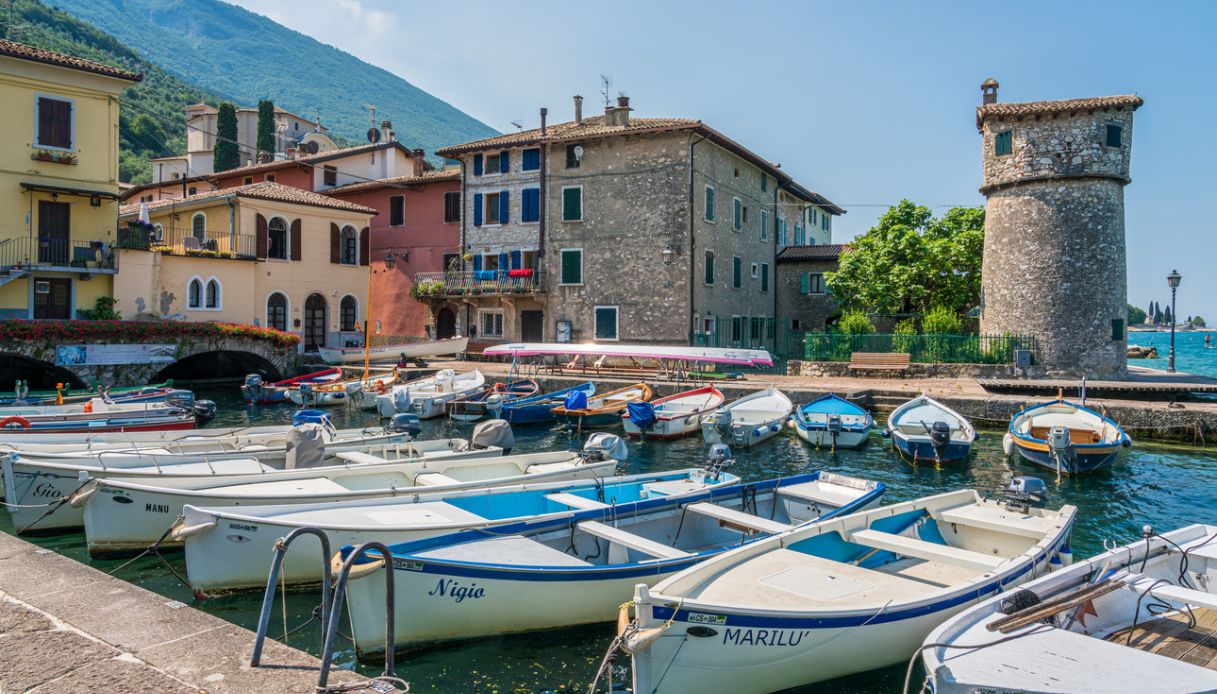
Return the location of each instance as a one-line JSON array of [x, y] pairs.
[[834, 422], [925, 429], [1065, 437]]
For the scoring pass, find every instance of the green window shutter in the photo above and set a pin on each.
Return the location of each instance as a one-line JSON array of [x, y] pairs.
[[572, 204], [709, 268], [738, 214], [1003, 143], [710, 204], [804, 283], [737, 270], [764, 277], [572, 267]]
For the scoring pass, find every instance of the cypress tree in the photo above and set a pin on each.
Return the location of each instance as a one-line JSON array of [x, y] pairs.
[[1167, 318], [266, 127], [226, 154]]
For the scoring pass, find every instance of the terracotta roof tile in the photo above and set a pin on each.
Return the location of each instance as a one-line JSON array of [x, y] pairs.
[[399, 181], [13, 49], [1037, 108], [822, 251], [256, 191], [558, 132], [307, 159]]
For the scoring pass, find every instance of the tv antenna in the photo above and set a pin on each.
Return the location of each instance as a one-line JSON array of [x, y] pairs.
[[607, 84], [518, 124]]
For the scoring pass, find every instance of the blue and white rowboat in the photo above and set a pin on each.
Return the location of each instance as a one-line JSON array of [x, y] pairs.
[[925, 429], [538, 409], [1065, 437], [833, 421]]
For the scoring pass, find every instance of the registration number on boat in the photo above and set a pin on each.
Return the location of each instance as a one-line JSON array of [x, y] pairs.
[[699, 618], [407, 565]]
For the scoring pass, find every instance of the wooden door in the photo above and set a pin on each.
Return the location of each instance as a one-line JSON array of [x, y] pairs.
[[314, 322], [445, 324], [53, 298], [532, 326], [54, 232]]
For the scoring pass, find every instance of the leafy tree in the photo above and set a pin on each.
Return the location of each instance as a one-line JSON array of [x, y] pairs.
[[226, 154], [1167, 318], [1198, 322], [912, 260], [1135, 315], [266, 127]]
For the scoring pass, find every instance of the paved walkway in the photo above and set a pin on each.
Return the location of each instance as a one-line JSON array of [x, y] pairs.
[[67, 627]]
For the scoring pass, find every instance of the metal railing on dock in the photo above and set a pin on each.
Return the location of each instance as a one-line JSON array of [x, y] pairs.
[[934, 348]]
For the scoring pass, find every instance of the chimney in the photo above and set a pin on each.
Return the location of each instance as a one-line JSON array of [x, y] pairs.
[[291, 152], [619, 115], [544, 112], [988, 91], [578, 110], [418, 162], [386, 130]]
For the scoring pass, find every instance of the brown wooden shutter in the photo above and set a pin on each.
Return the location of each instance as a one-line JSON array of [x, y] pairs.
[[296, 239], [260, 236], [365, 246], [335, 236]]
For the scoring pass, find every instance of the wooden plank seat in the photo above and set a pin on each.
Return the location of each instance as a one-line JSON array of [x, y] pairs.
[[880, 361], [574, 501], [1177, 594], [738, 520], [434, 479], [930, 551], [635, 542], [980, 518], [360, 458]]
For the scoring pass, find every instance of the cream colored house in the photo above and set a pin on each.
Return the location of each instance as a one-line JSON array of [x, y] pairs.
[[265, 254], [292, 133]]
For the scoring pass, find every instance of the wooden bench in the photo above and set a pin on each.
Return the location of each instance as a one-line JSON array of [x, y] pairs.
[[930, 551], [738, 520], [880, 361], [630, 540]]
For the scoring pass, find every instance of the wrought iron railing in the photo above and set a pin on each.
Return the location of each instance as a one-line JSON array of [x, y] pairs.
[[950, 349], [477, 282], [24, 252], [174, 241]]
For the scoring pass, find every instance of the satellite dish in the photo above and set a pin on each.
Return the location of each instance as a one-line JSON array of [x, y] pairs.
[[310, 147], [373, 135], [578, 152]]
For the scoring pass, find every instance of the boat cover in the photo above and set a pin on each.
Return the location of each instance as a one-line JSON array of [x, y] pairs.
[[576, 400], [642, 414], [305, 446]]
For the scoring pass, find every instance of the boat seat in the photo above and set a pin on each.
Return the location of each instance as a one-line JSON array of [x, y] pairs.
[[434, 479], [575, 501], [910, 547], [1196, 598], [738, 520], [542, 468], [635, 542], [984, 518], [360, 458], [818, 492]]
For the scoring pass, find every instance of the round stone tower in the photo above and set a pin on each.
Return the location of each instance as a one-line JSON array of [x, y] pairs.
[[1054, 260]]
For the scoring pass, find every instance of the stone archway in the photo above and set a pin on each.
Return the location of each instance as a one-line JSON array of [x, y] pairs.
[[220, 364], [445, 323], [315, 310], [39, 374]]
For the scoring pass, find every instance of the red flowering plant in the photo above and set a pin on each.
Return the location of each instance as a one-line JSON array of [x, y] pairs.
[[57, 331]]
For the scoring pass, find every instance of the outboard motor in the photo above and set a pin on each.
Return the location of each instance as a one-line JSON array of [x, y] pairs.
[[305, 446], [834, 427], [1024, 492], [724, 425], [1060, 447], [603, 446], [180, 398], [940, 437], [253, 389], [405, 422], [204, 411], [493, 432], [642, 415], [306, 393], [718, 459]]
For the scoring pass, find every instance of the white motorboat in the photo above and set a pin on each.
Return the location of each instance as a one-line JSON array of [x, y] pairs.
[[426, 397], [752, 419], [341, 392], [925, 429], [672, 416], [1139, 618], [130, 514], [831, 421], [404, 351], [836, 597], [227, 548]]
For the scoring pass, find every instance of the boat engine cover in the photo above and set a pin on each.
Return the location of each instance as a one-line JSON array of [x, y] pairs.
[[642, 414], [204, 411], [576, 400], [180, 398], [305, 446], [834, 422], [493, 432], [405, 422], [610, 445], [1059, 438], [940, 434]]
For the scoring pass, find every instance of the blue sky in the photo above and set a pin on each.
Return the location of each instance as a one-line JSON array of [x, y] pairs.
[[865, 102]]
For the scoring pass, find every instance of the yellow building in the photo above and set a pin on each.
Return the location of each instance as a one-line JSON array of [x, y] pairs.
[[58, 181], [265, 254]]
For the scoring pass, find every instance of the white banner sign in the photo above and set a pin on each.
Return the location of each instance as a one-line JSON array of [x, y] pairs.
[[99, 355]]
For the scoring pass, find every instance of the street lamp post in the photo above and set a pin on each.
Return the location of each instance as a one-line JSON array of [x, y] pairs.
[[1173, 280]]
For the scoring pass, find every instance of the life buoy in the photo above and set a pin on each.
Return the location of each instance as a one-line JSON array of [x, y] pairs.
[[8, 422], [499, 387], [89, 407], [380, 387]]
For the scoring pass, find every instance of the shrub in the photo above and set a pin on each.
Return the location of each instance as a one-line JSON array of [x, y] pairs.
[[941, 321], [904, 336], [855, 323], [103, 309]]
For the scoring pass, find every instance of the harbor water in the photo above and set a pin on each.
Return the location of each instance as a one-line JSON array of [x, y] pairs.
[[1152, 484], [1191, 356]]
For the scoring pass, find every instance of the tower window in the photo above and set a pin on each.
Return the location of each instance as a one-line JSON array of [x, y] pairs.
[[1003, 143], [1114, 135]]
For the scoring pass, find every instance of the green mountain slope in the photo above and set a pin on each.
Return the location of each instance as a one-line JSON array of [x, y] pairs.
[[151, 121], [232, 51]]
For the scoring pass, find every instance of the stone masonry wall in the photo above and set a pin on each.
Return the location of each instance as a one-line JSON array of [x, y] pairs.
[[1048, 147], [813, 311]]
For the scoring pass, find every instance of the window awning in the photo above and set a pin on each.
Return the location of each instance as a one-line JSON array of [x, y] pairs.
[[85, 192]]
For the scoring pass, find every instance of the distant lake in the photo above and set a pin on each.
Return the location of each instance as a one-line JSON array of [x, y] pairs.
[[1190, 354]]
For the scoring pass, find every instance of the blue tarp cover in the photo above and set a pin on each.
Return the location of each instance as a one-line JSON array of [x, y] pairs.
[[642, 414], [577, 400]]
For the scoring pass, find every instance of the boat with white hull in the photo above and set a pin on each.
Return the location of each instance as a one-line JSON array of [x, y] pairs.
[[1135, 619], [833, 422], [340, 392], [672, 416], [226, 548], [754, 418], [925, 429], [1065, 437], [578, 569], [130, 514], [395, 352], [475, 406], [835, 597], [426, 397]]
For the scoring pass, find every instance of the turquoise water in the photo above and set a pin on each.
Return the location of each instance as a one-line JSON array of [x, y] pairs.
[[1165, 486], [1191, 356]]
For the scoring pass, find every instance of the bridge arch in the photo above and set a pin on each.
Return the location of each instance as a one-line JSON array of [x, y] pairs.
[[219, 364], [41, 375]]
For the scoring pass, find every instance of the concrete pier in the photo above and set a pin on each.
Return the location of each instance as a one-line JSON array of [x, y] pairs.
[[67, 627]]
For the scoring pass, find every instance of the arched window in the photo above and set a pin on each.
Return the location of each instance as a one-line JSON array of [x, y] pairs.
[[276, 233], [276, 311], [194, 293], [212, 294], [349, 246], [198, 227], [347, 313]]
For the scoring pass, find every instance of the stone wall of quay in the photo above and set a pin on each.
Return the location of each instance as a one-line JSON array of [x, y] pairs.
[[840, 369]]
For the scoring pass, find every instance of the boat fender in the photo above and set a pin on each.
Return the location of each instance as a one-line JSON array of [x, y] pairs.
[[758, 431], [1126, 441], [357, 570], [180, 532], [886, 433], [1007, 444], [14, 422], [775, 427], [1066, 555], [82, 495], [1018, 601]]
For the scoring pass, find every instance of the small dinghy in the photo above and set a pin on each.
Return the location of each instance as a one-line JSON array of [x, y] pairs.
[[580, 411], [750, 420], [336, 393], [539, 409], [1064, 437], [1139, 618], [672, 416], [256, 392], [833, 422], [471, 408], [925, 429], [217, 560], [153, 503], [577, 569], [426, 397], [836, 597]]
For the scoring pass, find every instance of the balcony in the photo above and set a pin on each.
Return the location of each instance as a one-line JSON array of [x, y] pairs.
[[184, 243], [20, 255], [477, 283]]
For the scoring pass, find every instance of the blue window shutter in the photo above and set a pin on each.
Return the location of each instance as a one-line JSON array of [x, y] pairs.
[[503, 261], [504, 207], [477, 263], [477, 208], [504, 162], [477, 165], [530, 160], [530, 207], [517, 259]]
